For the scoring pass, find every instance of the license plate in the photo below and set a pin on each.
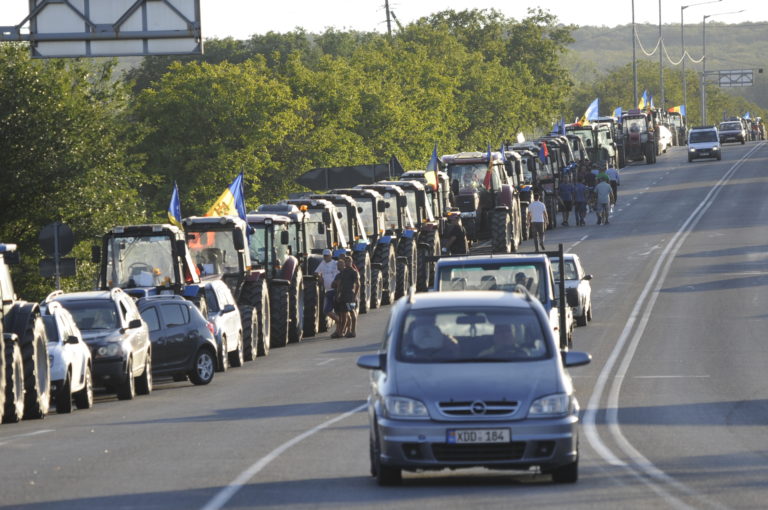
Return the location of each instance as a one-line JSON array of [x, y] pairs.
[[475, 436]]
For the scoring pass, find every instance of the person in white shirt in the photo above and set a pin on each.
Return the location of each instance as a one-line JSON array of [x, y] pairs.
[[615, 182], [537, 220], [328, 269]]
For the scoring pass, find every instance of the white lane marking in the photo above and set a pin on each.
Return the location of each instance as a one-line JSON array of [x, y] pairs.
[[642, 465], [325, 362], [671, 377], [577, 243], [653, 249], [7, 439], [225, 494]]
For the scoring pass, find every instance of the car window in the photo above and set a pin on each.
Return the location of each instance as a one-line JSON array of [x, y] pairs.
[[703, 136], [570, 270], [472, 336], [489, 276], [174, 315], [150, 317], [51, 328], [211, 298], [93, 315]]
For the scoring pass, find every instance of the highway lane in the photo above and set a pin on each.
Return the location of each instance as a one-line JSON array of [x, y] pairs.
[[681, 404]]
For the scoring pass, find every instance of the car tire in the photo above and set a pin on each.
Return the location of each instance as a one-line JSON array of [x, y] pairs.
[[13, 409], [222, 356], [144, 381], [64, 395], [385, 475], [84, 397], [127, 389], [566, 474], [581, 320], [203, 367], [589, 312], [719, 157], [236, 357]]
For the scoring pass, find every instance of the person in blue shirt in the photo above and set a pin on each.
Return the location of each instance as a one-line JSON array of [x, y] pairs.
[[566, 199]]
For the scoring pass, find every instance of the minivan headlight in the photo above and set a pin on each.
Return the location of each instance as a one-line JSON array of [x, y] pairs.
[[403, 407], [551, 405]]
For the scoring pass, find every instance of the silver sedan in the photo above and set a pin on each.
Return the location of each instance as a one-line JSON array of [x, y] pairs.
[[468, 379]]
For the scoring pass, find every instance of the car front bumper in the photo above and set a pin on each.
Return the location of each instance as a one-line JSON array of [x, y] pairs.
[[109, 371], [423, 445]]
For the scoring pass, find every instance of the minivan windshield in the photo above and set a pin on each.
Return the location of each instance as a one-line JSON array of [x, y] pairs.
[[490, 276], [472, 336], [703, 136]]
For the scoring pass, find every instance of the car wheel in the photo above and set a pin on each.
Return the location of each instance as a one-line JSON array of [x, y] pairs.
[[589, 312], [566, 474], [236, 357], [385, 475], [144, 382], [84, 397], [203, 367], [127, 389], [222, 358], [64, 395], [719, 157]]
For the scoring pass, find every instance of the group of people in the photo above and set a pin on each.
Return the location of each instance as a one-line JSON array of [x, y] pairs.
[[600, 185], [341, 281]]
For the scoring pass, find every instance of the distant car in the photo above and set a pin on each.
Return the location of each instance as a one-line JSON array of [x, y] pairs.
[[467, 379], [577, 279], [505, 272], [118, 339], [227, 326], [665, 138], [704, 142], [70, 357], [732, 131], [183, 344]]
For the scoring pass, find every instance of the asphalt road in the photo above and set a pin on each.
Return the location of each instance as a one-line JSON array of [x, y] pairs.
[[675, 402]]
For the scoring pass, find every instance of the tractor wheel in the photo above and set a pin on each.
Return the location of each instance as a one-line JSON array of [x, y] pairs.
[[311, 306], [501, 235], [296, 304], [33, 343], [429, 246], [385, 257], [402, 278], [2, 372], [407, 248], [279, 298], [363, 264], [376, 283], [13, 383]]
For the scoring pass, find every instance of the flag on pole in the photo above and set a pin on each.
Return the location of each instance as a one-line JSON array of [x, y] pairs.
[[590, 113], [432, 168], [643, 101], [747, 115], [651, 101], [617, 111], [174, 208], [543, 152], [231, 202]]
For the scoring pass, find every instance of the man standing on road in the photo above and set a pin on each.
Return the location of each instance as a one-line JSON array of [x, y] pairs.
[[566, 198], [613, 180], [537, 220], [348, 287], [580, 201], [604, 194], [328, 269], [455, 238]]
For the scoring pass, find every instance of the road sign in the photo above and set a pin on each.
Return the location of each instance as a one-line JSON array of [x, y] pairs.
[[110, 28], [56, 237], [67, 267], [735, 78]]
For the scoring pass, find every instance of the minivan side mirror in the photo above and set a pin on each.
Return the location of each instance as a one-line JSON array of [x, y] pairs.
[[134, 324], [228, 308], [372, 361], [72, 339], [576, 358]]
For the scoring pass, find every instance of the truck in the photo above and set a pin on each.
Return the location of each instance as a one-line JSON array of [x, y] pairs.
[[677, 125], [25, 372], [488, 202], [639, 136], [598, 141], [219, 248]]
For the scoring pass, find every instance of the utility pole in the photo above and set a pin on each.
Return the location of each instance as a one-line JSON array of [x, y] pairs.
[[634, 57], [389, 19], [661, 61]]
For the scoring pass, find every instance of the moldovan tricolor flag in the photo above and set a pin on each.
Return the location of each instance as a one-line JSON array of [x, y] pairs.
[[231, 202]]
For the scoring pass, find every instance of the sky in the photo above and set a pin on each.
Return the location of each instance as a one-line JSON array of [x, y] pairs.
[[242, 18]]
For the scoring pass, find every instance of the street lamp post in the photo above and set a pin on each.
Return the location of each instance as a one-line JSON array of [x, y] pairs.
[[704, 61], [661, 62], [634, 57], [682, 46]]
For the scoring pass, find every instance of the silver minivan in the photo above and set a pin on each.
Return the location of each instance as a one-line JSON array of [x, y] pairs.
[[471, 378]]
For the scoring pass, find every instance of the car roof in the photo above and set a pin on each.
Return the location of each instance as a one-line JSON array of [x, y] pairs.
[[468, 299], [88, 295], [491, 259]]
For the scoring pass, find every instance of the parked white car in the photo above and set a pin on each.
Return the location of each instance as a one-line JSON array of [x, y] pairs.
[[70, 359], [228, 329], [576, 278]]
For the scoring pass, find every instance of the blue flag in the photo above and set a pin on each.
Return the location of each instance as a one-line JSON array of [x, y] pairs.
[[174, 208], [592, 110], [231, 202], [747, 116], [643, 104], [617, 111]]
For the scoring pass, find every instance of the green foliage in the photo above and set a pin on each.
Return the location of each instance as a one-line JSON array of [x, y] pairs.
[[64, 136]]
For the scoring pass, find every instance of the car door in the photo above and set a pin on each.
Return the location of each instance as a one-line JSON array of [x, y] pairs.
[[180, 345], [230, 320], [160, 355], [136, 337], [76, 351]]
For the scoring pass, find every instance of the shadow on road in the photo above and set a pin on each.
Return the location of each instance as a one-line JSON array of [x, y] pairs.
[[743, 413], [724, 284]]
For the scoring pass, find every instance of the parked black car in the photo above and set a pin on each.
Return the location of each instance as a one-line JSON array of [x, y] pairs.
[[183, 342]]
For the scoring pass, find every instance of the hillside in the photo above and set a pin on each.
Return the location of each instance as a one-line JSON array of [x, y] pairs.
[[597, 50]]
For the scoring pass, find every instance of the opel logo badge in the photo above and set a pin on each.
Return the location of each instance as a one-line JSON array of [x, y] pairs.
[[478, 407]]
